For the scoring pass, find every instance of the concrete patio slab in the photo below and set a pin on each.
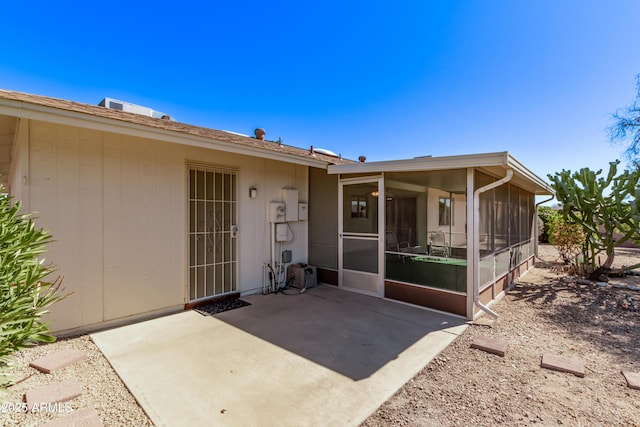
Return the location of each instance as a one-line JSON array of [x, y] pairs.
[[325, 357]]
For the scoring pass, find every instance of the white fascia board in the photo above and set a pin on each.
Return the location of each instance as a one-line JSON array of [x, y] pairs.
[[424, 164], [522, 170], [71, 118], [499, 159]]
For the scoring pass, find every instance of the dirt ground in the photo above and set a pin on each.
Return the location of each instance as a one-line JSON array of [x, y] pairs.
[[546, 312]]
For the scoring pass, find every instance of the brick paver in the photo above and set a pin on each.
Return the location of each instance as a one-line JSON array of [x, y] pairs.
[[58, 360], [85, 417], [490, 345], [54, 393], [563, 364], [633, 379]]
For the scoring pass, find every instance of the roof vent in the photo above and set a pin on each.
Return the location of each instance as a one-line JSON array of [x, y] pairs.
[[115, 104], [325, 152], [260, 133]]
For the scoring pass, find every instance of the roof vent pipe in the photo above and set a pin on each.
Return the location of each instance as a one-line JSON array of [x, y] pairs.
[[260, 133]]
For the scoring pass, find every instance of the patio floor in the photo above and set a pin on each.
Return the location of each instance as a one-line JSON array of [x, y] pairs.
[[325, 357]]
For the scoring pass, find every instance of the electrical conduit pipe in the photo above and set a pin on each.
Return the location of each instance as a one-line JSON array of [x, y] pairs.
[[476, 240]]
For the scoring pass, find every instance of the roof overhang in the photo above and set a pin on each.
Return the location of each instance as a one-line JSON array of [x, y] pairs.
[[33, 111], [495, 164]]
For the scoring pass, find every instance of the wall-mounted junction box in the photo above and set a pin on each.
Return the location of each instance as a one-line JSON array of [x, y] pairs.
[[290, 199], [303, 212], [281, 232]]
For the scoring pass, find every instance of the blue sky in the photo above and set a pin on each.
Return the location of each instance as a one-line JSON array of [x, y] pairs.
[[388, 80]]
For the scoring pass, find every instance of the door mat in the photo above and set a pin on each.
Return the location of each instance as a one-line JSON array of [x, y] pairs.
[[219, 307]]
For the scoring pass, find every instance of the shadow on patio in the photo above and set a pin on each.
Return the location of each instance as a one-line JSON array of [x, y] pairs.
[[351, 334], [326, 357]]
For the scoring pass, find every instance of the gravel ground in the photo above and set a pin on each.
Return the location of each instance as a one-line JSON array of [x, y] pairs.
[[545, 312], [102, 389]]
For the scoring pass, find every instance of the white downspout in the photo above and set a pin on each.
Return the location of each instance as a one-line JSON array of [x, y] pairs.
[[476, 240], [535, 234]]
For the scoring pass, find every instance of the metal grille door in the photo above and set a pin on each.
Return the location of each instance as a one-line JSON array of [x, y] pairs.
[[212, 232]]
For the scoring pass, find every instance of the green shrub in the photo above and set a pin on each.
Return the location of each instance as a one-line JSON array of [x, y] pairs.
[[547, 215], [605, 206], [24, 296], [568, 238]]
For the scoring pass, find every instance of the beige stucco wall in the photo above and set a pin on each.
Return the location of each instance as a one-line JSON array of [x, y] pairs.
[[19, 159], [323, 224], [116, 206]]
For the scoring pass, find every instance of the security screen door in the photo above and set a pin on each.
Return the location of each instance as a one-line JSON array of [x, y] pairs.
[[359, 263], [212, 231]]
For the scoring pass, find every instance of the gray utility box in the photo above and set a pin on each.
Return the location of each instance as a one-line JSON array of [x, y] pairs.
[[302, 276]]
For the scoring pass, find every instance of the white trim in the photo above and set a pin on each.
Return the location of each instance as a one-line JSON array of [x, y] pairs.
[[513, 163], [379, 179], [501, 159], [471, 242], [83, 120], [475, 283], [424, 163]]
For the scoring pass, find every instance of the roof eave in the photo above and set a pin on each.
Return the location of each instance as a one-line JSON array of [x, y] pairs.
[[515, 164], [423, 163], [498, 159], [32, 111]]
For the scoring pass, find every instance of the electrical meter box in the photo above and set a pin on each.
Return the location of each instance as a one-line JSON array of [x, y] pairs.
[[277, 212]]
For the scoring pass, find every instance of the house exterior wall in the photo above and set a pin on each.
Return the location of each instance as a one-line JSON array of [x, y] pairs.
[[116, 206], [20, 164], [459, 203], [323, 224]]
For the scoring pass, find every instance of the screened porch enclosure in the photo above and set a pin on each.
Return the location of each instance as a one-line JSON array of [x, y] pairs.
[[453, 233], [507, 229], [426, 228]]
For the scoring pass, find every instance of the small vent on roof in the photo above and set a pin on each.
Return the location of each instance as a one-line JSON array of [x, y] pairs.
[[260, 133], [116, 104], [326, 152]]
